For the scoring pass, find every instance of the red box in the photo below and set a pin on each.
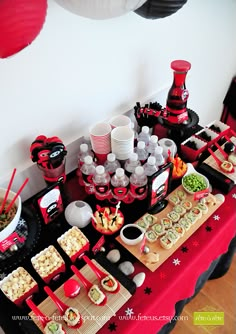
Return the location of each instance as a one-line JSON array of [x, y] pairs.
[[74, 243], [22, 276], [48, 260], [208, 132], [189, 153], [224, 128]]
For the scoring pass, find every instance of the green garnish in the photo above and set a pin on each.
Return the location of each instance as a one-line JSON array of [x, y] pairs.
[[194, 182]]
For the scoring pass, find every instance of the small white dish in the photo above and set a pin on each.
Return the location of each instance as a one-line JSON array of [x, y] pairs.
[[192, 171], [132, 234]]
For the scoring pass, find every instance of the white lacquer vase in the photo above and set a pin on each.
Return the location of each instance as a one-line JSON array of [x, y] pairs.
[[78, 213]]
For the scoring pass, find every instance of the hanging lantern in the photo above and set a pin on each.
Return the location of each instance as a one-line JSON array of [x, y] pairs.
[[100, 9], [156, 9], [20, 23]]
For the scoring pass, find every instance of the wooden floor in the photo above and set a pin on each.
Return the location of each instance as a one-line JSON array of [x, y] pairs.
[[216, 295]]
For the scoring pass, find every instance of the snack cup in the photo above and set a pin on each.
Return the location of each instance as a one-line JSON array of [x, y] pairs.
[[52, 274], [67, 239], [25, 295]]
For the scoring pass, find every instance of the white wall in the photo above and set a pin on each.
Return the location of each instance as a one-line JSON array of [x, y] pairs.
[[80, 71]]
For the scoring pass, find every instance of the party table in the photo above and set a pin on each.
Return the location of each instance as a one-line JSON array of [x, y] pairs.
[[152, 305]]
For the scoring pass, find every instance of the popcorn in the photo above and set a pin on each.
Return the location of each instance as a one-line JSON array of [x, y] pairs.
[[72, 241], [47, 261], [17, 284]]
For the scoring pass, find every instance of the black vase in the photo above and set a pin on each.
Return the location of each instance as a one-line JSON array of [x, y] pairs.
[[157, 9]]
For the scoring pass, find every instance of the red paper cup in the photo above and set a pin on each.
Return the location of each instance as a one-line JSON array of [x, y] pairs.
[[100, 136]]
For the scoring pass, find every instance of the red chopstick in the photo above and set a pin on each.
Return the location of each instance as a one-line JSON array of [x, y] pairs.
[[225, 155], [214, 156], [8, 189], [16, 195]]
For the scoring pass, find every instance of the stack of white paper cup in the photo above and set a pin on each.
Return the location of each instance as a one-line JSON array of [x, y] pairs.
[[122, 142]]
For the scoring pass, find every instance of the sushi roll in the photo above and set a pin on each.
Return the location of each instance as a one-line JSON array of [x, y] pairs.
[[186, 204], [72, 316], [158, 228], [53, 327], [173, 235], [196, 212], [203, 207], [232, 158], [96, 295], [150, 219], [191, 217], [167, 223], [181, 194], [179, 209], [143, 224], [179, 229], [174, 199], [151, 236], [166, 242], [185, 223], [109, 283], [173, 216]]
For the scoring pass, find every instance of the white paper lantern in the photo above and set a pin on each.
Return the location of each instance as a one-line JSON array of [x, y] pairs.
[[78, 213], [100, 9]]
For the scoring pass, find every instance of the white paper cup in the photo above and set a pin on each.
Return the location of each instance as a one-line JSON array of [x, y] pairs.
[[100, 135], [120, 120]]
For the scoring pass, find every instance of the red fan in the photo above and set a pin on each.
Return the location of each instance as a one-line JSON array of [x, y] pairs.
[[20, 23]]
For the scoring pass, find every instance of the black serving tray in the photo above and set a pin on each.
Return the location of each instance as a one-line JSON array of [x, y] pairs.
[[217, 179]]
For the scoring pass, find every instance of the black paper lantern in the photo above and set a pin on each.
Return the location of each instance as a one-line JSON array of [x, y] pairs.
[[157, 9]]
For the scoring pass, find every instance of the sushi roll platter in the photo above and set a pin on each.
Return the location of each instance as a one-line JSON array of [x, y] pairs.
[[182, 216]]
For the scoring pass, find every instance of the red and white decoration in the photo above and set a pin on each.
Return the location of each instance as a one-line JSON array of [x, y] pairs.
[[100, 9]]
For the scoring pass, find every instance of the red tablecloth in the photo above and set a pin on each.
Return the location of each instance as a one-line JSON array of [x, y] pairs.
[[153, 304]]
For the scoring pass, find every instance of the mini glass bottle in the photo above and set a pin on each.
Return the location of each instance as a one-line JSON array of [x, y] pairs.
[[144, 135], [87, 171], [141, 152], [158, 154], [101, 181], [111, 164], [131, 164], [138, 183], [150, 166], [153, 143]]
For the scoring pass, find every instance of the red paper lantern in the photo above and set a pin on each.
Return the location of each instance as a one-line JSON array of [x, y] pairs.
[[20, 23]]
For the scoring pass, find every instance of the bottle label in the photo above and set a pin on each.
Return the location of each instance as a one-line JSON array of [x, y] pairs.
[[177, 119], [138, 191], [87, 178], [102, 189], [119, 192]]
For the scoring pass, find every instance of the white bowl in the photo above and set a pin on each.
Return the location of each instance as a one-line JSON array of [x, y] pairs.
[[10, 228], [129, 241], [191, 171]]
